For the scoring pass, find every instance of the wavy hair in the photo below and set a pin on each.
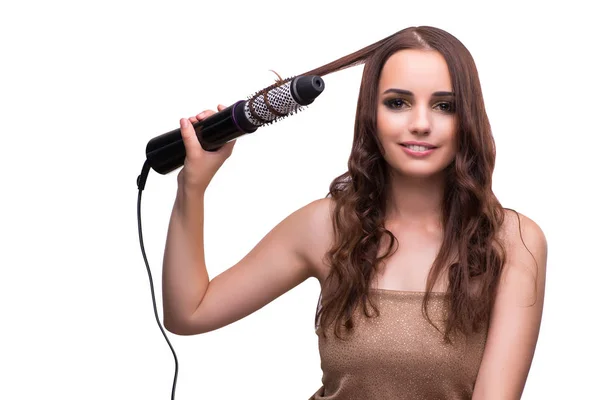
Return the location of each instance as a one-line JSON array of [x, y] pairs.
[[472, 215]]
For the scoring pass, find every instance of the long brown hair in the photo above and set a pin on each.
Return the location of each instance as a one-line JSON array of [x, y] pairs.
[[472, 215]]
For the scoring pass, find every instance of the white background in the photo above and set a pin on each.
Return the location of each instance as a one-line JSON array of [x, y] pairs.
[[85, 85]]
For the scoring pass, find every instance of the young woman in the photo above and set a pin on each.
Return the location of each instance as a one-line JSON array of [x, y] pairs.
[[430, 288]]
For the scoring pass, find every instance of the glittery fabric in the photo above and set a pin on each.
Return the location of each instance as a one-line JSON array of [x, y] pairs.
[[399, 355]]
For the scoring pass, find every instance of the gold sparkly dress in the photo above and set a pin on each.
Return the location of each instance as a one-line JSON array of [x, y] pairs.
[[399, 355]]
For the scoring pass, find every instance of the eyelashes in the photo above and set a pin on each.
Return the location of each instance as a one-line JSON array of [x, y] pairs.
[[397, 104]]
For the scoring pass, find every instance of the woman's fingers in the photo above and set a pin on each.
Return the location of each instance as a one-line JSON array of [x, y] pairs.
[[188, 133], [206, 113]]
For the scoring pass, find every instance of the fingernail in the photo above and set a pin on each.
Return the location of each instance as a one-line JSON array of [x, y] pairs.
[[184, 122]]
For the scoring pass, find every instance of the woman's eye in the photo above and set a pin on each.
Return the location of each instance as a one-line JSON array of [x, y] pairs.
[[448, 107], [395, 103]]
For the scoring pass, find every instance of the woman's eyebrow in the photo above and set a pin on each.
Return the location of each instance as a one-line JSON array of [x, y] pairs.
[[408, 93]]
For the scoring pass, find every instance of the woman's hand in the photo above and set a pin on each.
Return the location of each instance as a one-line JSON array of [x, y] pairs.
[[200, 166]]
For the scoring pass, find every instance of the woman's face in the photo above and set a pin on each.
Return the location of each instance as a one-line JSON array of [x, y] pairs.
[[415, 104]]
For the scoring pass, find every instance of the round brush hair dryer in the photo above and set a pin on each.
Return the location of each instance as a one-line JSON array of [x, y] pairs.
[[166, 152]]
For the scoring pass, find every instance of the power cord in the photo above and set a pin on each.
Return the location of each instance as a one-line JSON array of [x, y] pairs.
[[141, 183]]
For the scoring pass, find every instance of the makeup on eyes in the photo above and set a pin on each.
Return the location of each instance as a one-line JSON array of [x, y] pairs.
[[436, 95], [391, 103]]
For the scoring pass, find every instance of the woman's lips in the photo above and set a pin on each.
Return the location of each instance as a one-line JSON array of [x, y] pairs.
[[416, 153]]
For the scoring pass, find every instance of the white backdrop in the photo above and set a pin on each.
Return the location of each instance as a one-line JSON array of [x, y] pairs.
[[85, 86]]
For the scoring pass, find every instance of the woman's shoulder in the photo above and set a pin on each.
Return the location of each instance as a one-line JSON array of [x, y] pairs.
[[318, 222], [524, 242], [518, 228]]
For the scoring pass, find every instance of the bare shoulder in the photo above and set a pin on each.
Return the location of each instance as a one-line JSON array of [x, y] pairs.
[[318, 219], [520, 231], [526, 249]]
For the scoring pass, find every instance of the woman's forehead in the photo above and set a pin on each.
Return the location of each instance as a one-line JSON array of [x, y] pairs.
[[420, 71]]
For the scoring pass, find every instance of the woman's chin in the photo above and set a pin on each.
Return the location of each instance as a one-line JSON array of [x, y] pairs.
[[425, 172]]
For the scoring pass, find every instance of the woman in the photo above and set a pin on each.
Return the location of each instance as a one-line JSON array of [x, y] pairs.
[[430, 288]]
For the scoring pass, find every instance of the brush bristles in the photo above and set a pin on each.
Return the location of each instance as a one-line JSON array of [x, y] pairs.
[[272, 103], [273, 86], [300, 109]]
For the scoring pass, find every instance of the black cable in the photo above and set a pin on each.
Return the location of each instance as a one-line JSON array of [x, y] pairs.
[[141, 182]]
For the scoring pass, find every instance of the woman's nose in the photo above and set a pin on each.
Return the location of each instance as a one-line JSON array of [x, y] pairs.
[[419, 122]]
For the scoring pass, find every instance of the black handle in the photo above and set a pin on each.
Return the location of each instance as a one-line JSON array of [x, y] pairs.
[[166, 152]]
